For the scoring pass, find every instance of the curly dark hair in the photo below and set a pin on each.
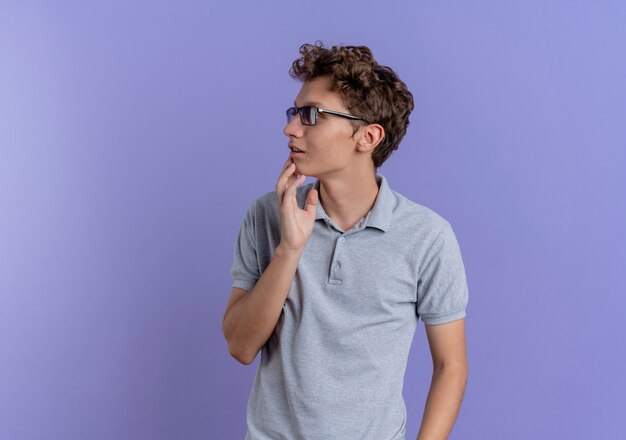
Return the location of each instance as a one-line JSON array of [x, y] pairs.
[[369, 90]]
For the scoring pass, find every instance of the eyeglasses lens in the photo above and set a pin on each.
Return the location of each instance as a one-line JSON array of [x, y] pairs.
[[308, 114], [291, 113]]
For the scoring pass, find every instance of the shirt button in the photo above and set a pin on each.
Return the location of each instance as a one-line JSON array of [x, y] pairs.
[[342, 240]]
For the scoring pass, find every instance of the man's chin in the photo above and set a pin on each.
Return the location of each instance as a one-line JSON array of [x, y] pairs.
[[304, 171]]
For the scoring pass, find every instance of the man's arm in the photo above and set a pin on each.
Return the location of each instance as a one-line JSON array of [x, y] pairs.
[[450, 370], [250, 317]]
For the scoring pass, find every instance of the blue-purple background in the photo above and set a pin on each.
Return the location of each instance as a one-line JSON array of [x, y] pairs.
[[134, 136]]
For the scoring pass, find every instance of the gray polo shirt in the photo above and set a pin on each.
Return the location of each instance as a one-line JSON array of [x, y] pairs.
[[334, 366]]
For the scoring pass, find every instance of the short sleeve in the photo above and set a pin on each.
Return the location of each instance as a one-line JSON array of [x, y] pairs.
[[245, 268], [442, 293]]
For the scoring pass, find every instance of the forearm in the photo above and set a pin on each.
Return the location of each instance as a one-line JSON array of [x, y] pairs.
[[443, 402], [249, 323]]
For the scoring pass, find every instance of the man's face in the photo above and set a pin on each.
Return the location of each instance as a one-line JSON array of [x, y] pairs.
[[329, 147]]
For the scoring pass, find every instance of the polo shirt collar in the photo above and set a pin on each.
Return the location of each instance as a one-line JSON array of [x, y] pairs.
[[380, 215]]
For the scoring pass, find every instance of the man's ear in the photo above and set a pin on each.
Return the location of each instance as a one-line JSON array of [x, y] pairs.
[[371, 136]]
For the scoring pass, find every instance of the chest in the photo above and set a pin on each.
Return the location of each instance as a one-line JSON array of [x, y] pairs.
[[368, 273]]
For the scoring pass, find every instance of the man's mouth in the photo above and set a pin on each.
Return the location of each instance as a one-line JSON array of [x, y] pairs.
[[295, 149]]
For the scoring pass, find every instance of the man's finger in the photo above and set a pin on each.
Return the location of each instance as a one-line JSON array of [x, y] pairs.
[[288, 162], [290, 181], [290, 189], [283, 179], [312, 199]]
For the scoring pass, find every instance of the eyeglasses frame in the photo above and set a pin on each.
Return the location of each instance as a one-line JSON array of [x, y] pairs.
[[319, 110]]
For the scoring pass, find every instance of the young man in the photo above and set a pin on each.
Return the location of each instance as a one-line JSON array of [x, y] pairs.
[[331, 278]]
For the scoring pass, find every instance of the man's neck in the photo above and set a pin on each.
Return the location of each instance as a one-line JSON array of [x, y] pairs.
[[347, 200]]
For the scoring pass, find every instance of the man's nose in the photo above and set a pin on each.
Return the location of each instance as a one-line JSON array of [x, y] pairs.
[[294, 128]]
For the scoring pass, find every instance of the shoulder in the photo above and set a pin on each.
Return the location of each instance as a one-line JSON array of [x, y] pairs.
[[430, 238], [263, 209], [411, 215], [265, 202]]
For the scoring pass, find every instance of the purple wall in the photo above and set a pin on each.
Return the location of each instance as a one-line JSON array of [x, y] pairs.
[[134, 137]]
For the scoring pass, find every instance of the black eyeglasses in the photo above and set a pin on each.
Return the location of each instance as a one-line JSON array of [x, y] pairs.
[[308, 114]]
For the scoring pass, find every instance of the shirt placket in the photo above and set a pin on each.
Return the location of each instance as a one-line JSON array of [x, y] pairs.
[[336, 272], [336, 275]]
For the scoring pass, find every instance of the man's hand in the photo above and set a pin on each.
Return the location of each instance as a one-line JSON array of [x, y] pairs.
[[296, 224], [251, 316]]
